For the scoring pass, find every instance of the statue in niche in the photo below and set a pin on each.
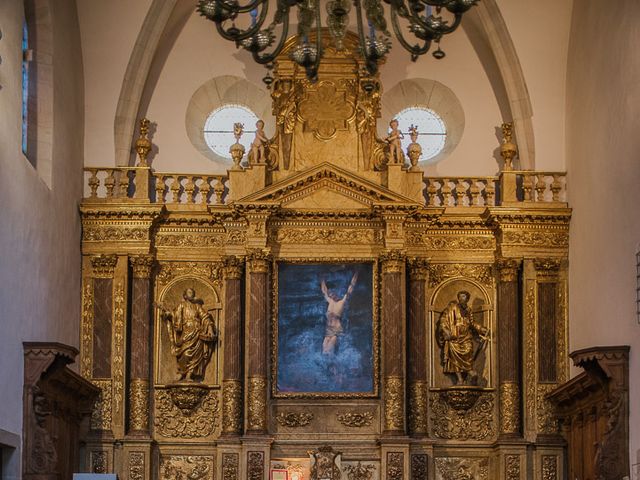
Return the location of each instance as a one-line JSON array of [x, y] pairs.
[[192, 335], [394, 139], [285, 111], [461, 340], [258, 146]]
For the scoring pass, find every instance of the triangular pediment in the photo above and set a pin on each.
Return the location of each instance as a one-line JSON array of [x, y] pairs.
[[326, 187]]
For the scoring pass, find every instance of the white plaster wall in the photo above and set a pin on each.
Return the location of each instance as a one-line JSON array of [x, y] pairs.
[[540, 33], [603, 158], [40, 227], [108, 31]]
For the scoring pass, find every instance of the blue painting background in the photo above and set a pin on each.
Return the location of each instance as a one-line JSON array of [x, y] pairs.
[[301, 326]]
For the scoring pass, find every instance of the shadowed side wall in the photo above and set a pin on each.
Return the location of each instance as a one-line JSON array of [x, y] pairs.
[[603, 149], [40, 228]]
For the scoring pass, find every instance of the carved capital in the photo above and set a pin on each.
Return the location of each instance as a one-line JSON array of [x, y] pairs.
[[547, 267], [508, 269], [258, 261], [231, 407], [233, 267], [392, 261], [418, 269], [104, 265], [139, 404], [142, 265]]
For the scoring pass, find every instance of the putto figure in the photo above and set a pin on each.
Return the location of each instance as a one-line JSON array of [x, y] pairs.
[[335, 309], [394, 139], [456, 332], [258, 153], [192, 334]]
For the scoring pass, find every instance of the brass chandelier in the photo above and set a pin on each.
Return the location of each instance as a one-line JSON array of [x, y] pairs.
[[416, 24]]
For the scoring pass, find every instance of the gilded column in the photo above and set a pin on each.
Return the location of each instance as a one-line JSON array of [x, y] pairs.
[[509, 334], [418, 360], [232, 373], [550, 342], [256, 348], [140, 341], [392, 339], [103, 269]]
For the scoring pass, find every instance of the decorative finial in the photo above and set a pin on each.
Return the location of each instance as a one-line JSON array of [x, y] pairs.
[[237, 149], [143, 144], [414, 150], [508, 149]]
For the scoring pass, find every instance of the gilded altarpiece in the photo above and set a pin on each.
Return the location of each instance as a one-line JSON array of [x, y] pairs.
[[465, 290]]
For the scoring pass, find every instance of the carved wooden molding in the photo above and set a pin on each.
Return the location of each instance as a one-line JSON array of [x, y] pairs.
[[599, 395], [56, 399]]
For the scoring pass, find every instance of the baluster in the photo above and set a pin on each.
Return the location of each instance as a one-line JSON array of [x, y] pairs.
[[175, 189], [490, 192], [124, 184], [461, 192], [446, 192], [218, 190], [189, 188], [475, 191], [556, 186], [159, 187], [204, 188], [527, 186], [541, 187], [432, 191], [110, 183], [94, 183]]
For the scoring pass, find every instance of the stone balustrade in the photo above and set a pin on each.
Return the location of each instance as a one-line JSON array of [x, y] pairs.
[[460, 191], [116, 184]]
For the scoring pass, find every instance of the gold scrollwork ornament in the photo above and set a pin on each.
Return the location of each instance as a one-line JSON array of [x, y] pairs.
[[294, 419], [139, 404], [509, 408], [393, 404], [355, 419], [232, 407], [257, 403]]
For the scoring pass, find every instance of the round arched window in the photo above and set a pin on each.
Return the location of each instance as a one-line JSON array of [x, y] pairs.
[[432, 132], [218, 129]]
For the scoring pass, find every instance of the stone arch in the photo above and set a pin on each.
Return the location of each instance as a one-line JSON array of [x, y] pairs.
[[493, 44], [484, 24]]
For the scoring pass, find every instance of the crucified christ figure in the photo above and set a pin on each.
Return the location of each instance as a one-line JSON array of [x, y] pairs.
[[335, 309]]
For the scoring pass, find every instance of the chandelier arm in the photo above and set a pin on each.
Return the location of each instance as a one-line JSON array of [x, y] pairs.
[[414, 50], [270, 57], [250, 6], [313, 72], [363, 49], [237, 37], [413, 17]]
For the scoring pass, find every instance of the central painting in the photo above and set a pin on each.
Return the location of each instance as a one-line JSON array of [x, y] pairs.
[[325, 327]]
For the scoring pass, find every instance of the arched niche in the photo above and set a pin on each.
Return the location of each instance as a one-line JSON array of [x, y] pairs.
[[481, 305]]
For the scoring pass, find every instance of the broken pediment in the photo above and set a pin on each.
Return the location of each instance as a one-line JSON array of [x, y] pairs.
[[326, 187]]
